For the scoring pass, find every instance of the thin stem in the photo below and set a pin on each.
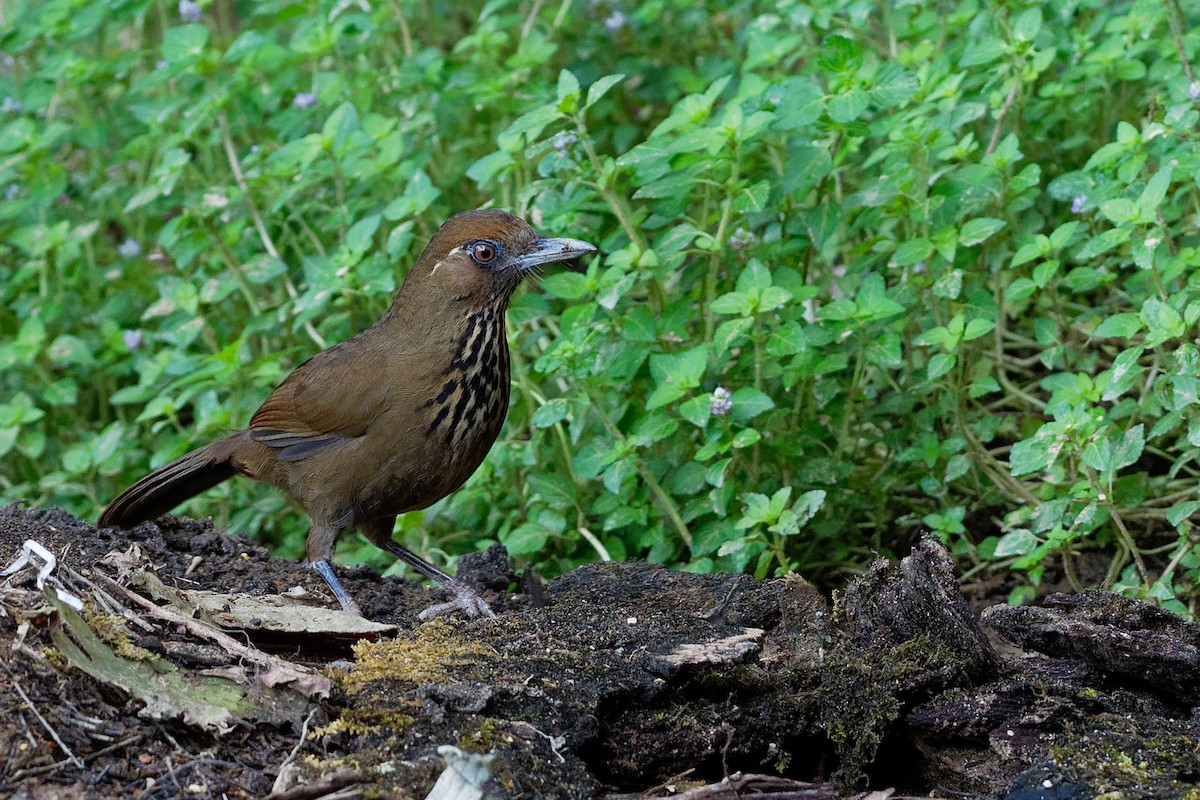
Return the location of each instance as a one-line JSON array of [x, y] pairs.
[[405, 34], [664, 499], [719, 244], [615, 201], [268, 243], [530, 19], [1176, 23], [1130, 545]]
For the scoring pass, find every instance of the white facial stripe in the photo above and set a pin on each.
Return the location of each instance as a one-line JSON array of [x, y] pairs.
[[433, 271]]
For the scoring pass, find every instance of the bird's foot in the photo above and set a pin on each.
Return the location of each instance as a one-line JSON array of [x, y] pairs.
[[466, 599]]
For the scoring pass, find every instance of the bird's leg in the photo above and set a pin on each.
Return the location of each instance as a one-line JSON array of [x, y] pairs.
[[325, 570], [465, 599], [321, 540]]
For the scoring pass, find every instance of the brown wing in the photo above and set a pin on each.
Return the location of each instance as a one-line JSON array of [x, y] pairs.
[[332, 397]]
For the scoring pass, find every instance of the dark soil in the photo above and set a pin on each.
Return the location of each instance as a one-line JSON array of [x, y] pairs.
[[617, 680]]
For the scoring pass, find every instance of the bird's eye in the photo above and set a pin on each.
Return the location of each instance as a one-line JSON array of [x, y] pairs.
[[484, 252]]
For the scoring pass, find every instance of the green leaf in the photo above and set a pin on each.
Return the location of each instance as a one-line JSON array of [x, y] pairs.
[[1016, 543], [978, 230], [618, 473], [748, 403], [1027, 252], [1027, 24], [893, 85], [567, 285], [839, 55], [601, 87], [551, 413], [912, 251], [754, 275], [555, 489], [939, 365], [1062, 234], [1129, 449], [1118, 326], [873, 302], [848, 106], [654, 427], [1163, 321], [745, 438], [526, 128], [525, 539], [981, 51], [1030, 455], [1179, 512], [359, 237], [568, 92], [488, 167], [696, 411], [753, 198], [976, 328], [1119, 210], [675, 374], [1155, 192], [184, 44], [731, 303]]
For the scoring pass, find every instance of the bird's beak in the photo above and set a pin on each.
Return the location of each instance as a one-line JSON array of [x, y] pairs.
[[548, 251]]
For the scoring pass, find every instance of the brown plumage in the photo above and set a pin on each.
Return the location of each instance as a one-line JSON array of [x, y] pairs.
[[391, 420]]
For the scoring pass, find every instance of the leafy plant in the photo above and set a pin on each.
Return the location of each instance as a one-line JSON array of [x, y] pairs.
[[918, 268]]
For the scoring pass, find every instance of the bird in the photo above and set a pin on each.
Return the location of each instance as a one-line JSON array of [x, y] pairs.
[[391, 420]]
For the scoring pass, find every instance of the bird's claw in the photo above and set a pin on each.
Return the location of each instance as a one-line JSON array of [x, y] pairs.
[[466, 600]]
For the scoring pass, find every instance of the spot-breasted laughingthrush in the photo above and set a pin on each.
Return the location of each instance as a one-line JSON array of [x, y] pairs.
[[391, 420]]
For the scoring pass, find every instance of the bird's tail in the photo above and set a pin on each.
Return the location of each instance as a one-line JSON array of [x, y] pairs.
[[171, 484]]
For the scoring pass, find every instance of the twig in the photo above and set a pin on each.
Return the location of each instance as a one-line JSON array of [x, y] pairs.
[[1177, 33], [29, 773], [1004, 109], [267, 242], [532, 18], [74, 759], [300, 744], [555, 742], [1143, 573], [198, 628]]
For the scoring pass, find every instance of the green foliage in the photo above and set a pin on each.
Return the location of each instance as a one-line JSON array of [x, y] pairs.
[[868, 268]]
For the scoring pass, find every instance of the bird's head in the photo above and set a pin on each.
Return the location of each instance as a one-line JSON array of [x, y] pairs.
[[478, 258]]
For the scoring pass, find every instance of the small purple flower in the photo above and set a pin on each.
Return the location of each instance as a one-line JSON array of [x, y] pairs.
[[132, 338], [129, 248], [616, 21], [741, 239], [1078, 203], [190, 11], [721, 402], [563, 141], [1194, 91], [305, 100], [11, 192], [11, 105]]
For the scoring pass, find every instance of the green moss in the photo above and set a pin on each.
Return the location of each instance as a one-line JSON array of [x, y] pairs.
[[425, 658], [482, 740], [1114, 761], [112, 630], [361, 721]]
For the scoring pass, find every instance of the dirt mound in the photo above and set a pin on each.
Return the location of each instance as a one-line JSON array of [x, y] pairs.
[[199, 666]]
